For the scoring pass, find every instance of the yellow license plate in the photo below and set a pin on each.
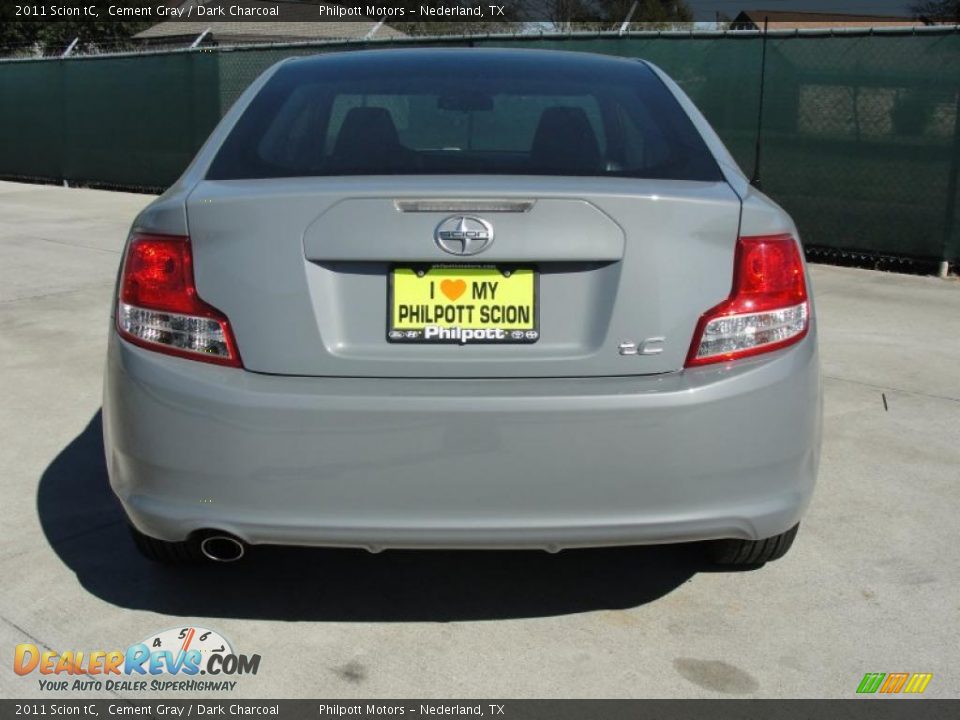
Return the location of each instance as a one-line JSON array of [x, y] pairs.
[[463, 304]]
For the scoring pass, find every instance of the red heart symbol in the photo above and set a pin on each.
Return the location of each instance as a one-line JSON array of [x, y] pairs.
[[453, 288]]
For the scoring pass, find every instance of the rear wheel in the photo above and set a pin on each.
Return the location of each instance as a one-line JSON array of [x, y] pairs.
[[167, 553], [752, 552]]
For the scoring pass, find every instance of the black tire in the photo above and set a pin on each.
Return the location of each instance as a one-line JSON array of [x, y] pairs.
[[752, 552], [164, 552]]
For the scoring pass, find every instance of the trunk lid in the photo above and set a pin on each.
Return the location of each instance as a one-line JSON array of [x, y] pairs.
[[302, 269]]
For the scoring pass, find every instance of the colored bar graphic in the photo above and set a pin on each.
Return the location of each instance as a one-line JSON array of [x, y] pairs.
[[871, 682], [893, 683], [918, 682]]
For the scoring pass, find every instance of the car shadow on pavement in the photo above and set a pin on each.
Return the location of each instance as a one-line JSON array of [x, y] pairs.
[[85, 526]]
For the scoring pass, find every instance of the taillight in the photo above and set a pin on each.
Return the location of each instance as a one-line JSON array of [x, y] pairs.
[[159, 309], [767, 308]]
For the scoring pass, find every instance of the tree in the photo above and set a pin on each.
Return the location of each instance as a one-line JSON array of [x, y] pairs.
[[563, 15], [567, 15], [938, 10], [19, 36], [16, 36], [723, 21], [466, 26]]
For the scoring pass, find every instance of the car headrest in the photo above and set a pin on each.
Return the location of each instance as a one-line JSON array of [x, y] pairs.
[[366, 131], [565, 141]]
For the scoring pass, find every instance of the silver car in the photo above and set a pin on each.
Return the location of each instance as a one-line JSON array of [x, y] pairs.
[[460, 298]]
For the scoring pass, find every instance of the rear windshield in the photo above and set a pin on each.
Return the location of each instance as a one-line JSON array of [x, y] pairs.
[[456, 114]]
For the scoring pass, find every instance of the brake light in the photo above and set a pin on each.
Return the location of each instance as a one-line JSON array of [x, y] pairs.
[[158, 307], [767, 309]]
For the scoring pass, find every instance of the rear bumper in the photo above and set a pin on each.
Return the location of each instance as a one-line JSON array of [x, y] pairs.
[[522, 463]]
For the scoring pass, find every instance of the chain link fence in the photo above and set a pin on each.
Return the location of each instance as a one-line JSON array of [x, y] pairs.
[[856, 134]]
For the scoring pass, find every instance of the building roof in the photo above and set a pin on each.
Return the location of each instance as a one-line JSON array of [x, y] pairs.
[[791, 20], [301, 21]]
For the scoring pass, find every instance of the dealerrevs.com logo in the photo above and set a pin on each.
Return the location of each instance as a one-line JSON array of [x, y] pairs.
[[171, 660]]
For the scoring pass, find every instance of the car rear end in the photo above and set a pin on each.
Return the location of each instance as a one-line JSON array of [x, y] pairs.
[[452, 298]]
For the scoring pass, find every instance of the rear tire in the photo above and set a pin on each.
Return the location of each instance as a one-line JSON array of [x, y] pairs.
[[752, 552], [164, 552]]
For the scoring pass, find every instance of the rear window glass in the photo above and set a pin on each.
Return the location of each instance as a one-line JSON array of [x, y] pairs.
[[520, 115]]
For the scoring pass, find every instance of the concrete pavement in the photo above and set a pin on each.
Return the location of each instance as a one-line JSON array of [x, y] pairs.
[[872, 584]]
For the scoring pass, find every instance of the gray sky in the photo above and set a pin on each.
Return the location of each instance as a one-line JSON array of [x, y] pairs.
[[705, 9]]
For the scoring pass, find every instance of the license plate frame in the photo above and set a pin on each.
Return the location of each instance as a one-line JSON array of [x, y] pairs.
[[419, 336]]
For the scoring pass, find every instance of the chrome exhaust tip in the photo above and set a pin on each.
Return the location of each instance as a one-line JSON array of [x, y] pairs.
[[222, 548]]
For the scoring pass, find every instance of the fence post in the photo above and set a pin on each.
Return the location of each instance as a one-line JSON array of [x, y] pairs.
[[199, 39], [63, 107], [375, 29], [755, 180], [70, 47], [628, 18], [61, 65], [950, 211]]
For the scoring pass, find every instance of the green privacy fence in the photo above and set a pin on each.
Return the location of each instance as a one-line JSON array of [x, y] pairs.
[[858, 134], [131, 121]]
